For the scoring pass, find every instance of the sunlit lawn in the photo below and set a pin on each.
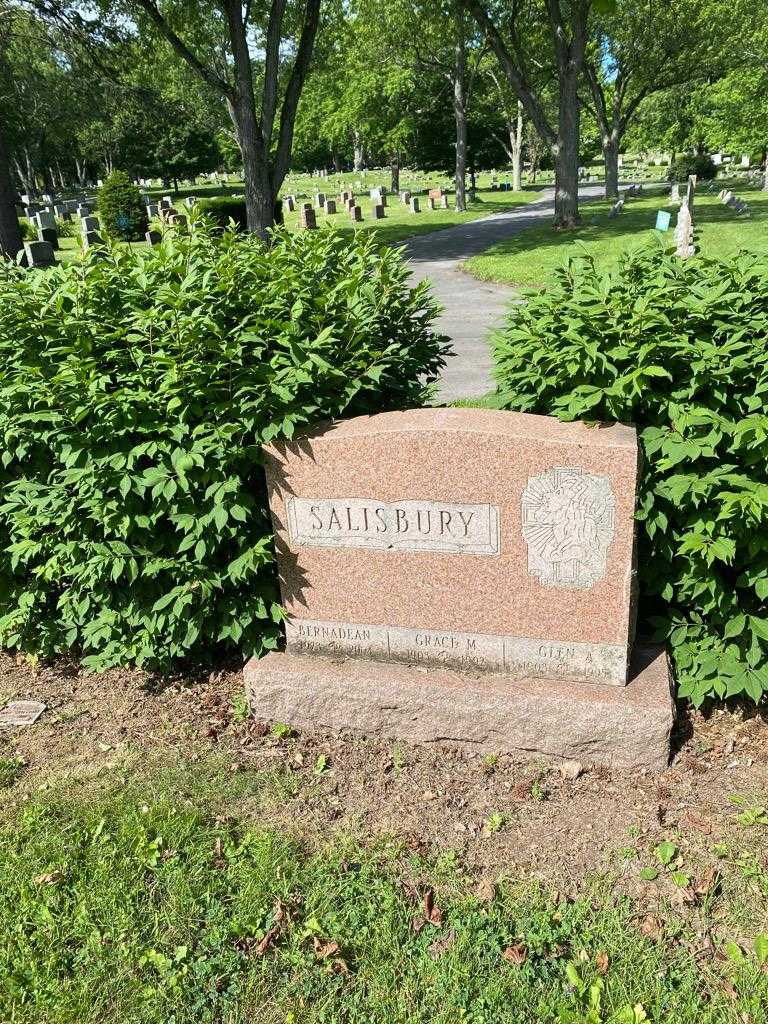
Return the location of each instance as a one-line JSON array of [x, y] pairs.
[[399, 222], [530, 257]]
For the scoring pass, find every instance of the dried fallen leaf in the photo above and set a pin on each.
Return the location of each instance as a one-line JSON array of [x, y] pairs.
[[651, 927], [601, 962], [432, 913], [50, 878], [417, 923], [696, 821], [339, 966], [707, 881], [443, 944], [261, 947], [325, 949], [486, 891], [515, 954]]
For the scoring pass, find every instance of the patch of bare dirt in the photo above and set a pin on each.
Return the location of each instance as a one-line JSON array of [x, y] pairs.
[[501, 816]]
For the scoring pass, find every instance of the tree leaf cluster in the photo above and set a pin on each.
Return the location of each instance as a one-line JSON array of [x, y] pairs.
[[677, 348], [137, 388]]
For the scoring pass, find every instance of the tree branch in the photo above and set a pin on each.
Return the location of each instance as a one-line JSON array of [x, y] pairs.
[[271, 69], [181, 48], [512, 71], [293, 92]]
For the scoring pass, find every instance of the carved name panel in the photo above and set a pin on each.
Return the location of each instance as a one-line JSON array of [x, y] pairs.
[[400, 525], [469, 652]]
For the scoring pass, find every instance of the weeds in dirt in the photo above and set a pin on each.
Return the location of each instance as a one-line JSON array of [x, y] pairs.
[[146, 902]]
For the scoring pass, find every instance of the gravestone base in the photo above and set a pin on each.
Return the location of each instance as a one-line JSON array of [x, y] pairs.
[[617, 726]]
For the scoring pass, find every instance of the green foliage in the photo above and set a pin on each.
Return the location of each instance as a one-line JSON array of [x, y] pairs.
[[121, 208], [223, 209], [691, 163], [137, 387], [679, 349], [28, 230]]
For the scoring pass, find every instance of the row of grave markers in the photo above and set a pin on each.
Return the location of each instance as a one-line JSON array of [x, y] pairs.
[[42, 252], [347, 200]]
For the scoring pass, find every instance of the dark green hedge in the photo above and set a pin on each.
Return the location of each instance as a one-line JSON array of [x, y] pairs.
[[702, 166], [121, 209], [680, 348], [223, 209], [136, 388]]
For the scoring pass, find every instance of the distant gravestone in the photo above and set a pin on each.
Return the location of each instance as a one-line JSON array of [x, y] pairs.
[[684, 233], [355, 213], [415, 208], [89, 223], [378, 211], [49, 236], [307, 217], [153, 237], [444, 203], [467, 576], [91, 238], [616, 209], [330, 206], [674, 193], [39, 254]]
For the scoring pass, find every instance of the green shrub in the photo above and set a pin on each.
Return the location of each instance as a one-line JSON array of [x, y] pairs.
[[690, 163], [28, 230], [136, 390], [223, 209], [121, 208], [67, 228], [679, 349]]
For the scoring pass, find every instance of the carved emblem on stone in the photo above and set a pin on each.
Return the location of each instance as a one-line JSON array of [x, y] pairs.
[[568, 524]]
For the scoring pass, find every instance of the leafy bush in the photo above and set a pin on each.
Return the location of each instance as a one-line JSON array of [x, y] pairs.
[[679, 349], [67, 228], [690, 163], [223, 209], [136, 390], [121, 208], [28, 230]]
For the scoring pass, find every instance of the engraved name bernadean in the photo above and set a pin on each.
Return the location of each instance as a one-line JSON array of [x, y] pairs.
[[568, 524], [394, 525]]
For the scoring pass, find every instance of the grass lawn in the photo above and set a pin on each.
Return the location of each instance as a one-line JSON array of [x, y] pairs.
[[154, 891], [530, 257], [399, 224]]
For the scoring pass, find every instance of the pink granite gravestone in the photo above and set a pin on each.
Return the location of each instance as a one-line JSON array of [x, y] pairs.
[[463, 574]]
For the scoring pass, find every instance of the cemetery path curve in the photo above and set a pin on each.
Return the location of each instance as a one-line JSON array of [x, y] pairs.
[[473, 308]]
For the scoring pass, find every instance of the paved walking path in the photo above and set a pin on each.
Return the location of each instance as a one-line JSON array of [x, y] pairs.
[[472, 308]]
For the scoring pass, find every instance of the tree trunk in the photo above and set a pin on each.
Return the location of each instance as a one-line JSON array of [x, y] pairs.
[[394, 169], [611, 162], [359, 152], [765, 176], [259, 200], [460, 110], [336, 163], [10, 229], [259, 196], [566, 151], [516, 145]]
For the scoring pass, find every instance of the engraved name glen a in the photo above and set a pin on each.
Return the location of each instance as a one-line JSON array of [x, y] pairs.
[[402, 525]]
